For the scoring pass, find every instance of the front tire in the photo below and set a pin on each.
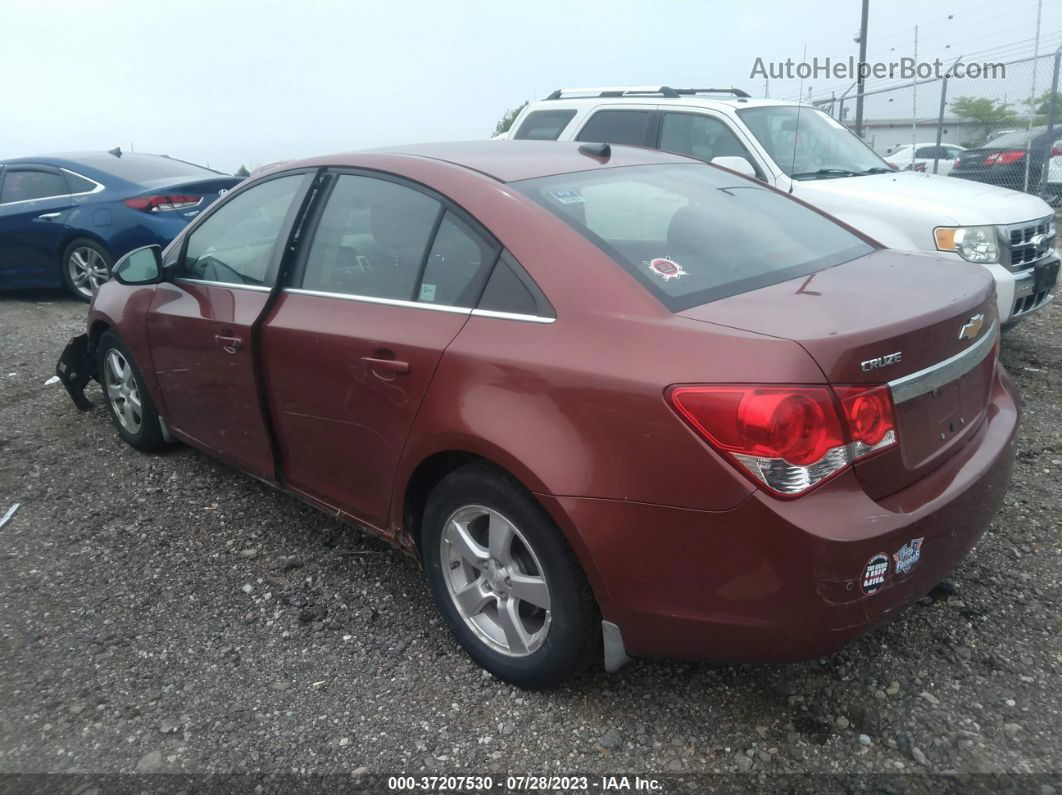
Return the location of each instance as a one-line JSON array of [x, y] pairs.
[[128, 401], [505, 580], [86, 265]]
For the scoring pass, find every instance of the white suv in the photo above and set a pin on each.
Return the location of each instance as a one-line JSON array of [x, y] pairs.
[[800, 149]]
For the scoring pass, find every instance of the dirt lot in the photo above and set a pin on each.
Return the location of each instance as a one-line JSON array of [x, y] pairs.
[[165, 613]]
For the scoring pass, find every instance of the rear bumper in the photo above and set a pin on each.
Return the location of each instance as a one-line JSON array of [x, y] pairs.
[[773, 580]]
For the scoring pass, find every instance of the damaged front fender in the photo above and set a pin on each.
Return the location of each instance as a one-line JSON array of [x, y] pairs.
[[76, 366]]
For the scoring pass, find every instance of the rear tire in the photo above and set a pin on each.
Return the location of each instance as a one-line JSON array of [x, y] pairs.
[[128, 400], [85, 266], [505, 580]]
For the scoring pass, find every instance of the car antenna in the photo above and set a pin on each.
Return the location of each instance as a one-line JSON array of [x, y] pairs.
[[603, 151], [796, 129], [117, 151]]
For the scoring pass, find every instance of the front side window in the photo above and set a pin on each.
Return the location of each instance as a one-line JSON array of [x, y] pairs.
[[371, 240], [806, 143], [616, 127], [25, 185], [699, 136], [235, 244], [544, 125], [693, 234]]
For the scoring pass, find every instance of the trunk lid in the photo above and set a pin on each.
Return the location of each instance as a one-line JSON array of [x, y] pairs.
[[890, 317]]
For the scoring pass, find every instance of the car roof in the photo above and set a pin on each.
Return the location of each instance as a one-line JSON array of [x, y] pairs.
[[692, 101], [504, 161]]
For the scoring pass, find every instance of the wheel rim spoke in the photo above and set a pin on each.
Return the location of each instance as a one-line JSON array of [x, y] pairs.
[[473, 598], [516, 636], [114, 392], [465, 546], [133, 399], [530, 589], [500, 534]]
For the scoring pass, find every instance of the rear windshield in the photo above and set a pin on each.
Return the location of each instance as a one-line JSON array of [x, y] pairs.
[[695, 233], [147, 168]]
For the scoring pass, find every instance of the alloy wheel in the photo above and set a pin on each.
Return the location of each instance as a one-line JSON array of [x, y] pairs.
[[122, 391], [87, 269], [495, 580]]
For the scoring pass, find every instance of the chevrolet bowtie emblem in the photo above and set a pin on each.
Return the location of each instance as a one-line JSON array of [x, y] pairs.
[[972, 327]]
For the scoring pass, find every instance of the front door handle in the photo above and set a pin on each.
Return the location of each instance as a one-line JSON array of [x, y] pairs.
[[48, 216], [228, 344], [392, 366]]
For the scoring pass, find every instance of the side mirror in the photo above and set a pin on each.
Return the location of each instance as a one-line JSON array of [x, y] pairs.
[[735, 163], [140, 266]]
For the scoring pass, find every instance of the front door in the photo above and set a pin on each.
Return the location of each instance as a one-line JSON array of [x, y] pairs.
[[201, 325], [382, 287], [33, 200]]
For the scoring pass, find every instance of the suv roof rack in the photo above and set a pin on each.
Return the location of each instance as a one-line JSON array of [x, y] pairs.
[[631, 91]]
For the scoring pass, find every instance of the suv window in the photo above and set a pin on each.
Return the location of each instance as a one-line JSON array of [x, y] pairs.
[[371, 239], [700, 136], [234, 245], [457, 265], [26, 184], [692, 234], [544, 125], [616, 127]]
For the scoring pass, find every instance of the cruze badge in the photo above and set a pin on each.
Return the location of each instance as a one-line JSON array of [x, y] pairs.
[[881, 361], [972, 327]]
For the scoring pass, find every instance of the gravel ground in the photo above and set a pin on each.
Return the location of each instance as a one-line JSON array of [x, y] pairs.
[[165, 613]]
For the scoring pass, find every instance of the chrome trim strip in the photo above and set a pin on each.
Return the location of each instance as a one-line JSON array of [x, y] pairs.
[[260, 288], [369, 299], [512, 316], [941, 373], [97, 189]]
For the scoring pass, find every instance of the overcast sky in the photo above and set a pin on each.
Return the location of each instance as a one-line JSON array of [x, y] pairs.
[[231, 83]]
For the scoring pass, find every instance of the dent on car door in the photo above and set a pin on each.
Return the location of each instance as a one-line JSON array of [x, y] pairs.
[[201, 322], [382, 286], [32, 202]]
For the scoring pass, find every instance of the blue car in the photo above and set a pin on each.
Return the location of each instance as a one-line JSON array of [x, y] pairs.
[[65, 219]]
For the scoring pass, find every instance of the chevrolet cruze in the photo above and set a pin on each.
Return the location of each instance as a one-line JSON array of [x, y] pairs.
[[618, 402]]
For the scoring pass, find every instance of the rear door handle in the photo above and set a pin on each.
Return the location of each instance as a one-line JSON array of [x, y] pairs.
[[386, 365], [228, 344]]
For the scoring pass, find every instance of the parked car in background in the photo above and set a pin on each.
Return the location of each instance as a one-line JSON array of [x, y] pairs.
[[1053, 188], [65, 219], [1013, 160], [614, 399], [925, 157], [806, 152]]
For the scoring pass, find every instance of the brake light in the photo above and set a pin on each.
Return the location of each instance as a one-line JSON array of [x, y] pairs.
[[956, 163], [918, 167], [892, 165], [789, 439], [1002, 158], [1056, 150], [154, 204]]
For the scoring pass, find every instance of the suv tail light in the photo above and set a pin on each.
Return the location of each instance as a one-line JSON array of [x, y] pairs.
[[789, 439], [1002, 158], [918, 167], [956, 163], [1056, 150], [154, 204]]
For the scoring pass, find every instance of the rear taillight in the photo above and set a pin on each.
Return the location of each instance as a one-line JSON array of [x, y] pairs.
[[154, 204], [918, 167], [1056, 150], [956, 163], [1002, 158], [789, 439], [892, 165]]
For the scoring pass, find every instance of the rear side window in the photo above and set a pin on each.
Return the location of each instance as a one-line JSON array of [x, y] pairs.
[[235, 244], [25, 185], [79, 184], [616, 127], [511, 290], [456, 266], [693, 234], [544, 125]]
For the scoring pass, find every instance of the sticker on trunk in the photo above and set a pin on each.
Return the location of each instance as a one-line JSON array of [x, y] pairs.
[[666, 268], [908, 555], [875, 572]]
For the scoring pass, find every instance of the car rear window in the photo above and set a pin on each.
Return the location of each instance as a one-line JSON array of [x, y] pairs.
[[147, 168], [694, 233], [544, 125]]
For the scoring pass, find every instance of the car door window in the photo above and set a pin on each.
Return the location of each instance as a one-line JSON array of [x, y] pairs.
[[616, 127], [457, 265], [371, 239], [544, 125], [27, 184], [234, 245], [700, 136]]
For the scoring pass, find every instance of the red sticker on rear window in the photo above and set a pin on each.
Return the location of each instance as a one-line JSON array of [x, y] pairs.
[[666, 268]]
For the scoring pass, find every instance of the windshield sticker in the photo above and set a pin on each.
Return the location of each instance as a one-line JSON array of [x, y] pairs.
[[427, 292], [666, 268], [875, 572], [567, 196]]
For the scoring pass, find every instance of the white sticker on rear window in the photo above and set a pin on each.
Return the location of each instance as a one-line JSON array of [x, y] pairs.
[[567, 196], [427, 292]]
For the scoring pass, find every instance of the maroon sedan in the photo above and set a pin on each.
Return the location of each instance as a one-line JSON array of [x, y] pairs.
[[617, 401]]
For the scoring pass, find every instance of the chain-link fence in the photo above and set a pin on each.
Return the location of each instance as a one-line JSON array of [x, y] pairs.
[[1003, 127]]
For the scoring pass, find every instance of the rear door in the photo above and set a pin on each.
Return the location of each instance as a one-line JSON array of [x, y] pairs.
[[33, 199], [384, 284], [201, 326]]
